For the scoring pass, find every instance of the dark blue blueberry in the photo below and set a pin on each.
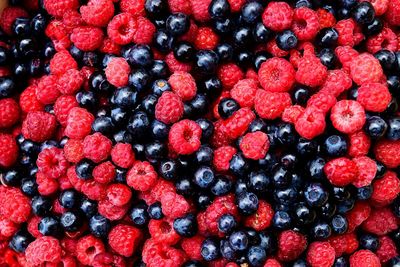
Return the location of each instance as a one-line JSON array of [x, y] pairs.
[[259, 58], [139, 125], [281, 177], [177, 24], [155, 211], [159, 69], [224, 26], [375, 127], [259, 181], [21, 27], [328, 58], [327, 37], [238, 241], [315, 168], [104, 125], [84, 169], [256, 256], [224, 51], [363, 13], [227, 251], [203, 201], [69, 199], [226, 107], [169, 169], [303, 214], [286, 196], [88, 207], [247, 203], [99, 226], [365, 192], [7, 87], [163, 41], [282, 220], [219, 9], [321, 231], [286, 40], [335, 146], [140, 56], [204, 155], [251, 12], [156, 8], [387, 59], [221, 186], [242, 37], [345, 206], [20, 241], [206, 61], [369, 241], [50, 226], [29, 187], [41, 206], [315, 195], [139, 79], [204, 177], [71, 221], [186, 226], [261, 34], [305, 147], [286, 134], [185, 187], [12, 177], [226, 223], [393, 131], [238, 165], [184, 52], [373, 27], [139, 215], [124, 97], [339, 224], [209, 250]]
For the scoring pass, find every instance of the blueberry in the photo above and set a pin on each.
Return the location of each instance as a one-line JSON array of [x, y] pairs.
[[339, 224], [345, 206], [12, 177], [4, 56], [315, 195], [84, 169], [227, 106], [256, 256], [159, 69], [394, 262], [221, 186], [169, 169], [156, 8], [327, 37], [48, 50], [41, 206], [203, 201], [184, 52], [177, 24], [251, 12], [281, 177], [91, 59], [227, 251], [185, 187], [69, 199], [335, 146], [76, 53], [140, 56], [206, 61], [192, 263], [363, 13], [209, 250], [238, 165], [155, 211], [98, 82], [50, 226], [87, 99], [159, 130], [199, 105], [219, 9], [375, 127], [300, 263], [20, 241], [261, 34], [282, 220], [155, 151], [286, 40], [393, 131], [306, 148], [29, 187], [88, 207], [369, 241], [315, 168], [139, 79], [242, 37], [328, 58], [139, 215], [211, 86], [238, 241], [303, 3], [186, 226], [148, 105], [163, 41], [321, 230], [204, 155], [224, 51], [259, 181], [224, 26], [373, 27], [99, 226], [386, 58], [286, 134], [327, 210], [7, 87], [226, 223], [71, 221], [204, 177], [104, 125], [139, 125], [124, 97], [259, 58], [304, 215], [365, 192], [247, 203], [21, 27]]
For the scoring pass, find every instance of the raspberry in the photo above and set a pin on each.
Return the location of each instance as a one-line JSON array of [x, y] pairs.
[[7, 228], [118, 194], [349, 32], [93, 190], [374, 97], [141, 176], [122, 155], [270, 105], [348, 116], [158, 254], [364, 258], [359, 144], [61, 62], [112, 212], [124, 239], [278, 16], [346, 54], [305, 23], [28, 100], [72, 19], [290, 245], [269, 263], [358, 215], [222, 157], [386, 189], [8, 17], [9, 112], [311, 123], [311, 71], [121, 28], [262, 219], [73, 150], [345, 243], [365, 68], [39, 126], [380, 6], [52, 162], [322, 102], [174, 205], [341, 171], [366, 171], [87, 38], [175, 65], [200, 9], [47, 89], [292, 113], [184, 137], [70, 82], [162, 231], [63, 106], [276, 75], [14, 205], [320, 254], [103, 173], [274, 50], [192, 246], [73, 178], [336, 83], [109, 47], [386, 152], [183, 84], [219, 138], [135, 8], [244, 92], [392, 15], [169, 108], [96, 147], [237, 124], [380, 222], [145, 31], [79, 123], [46, 185], [161, 187], [230, 74], [206, 39], [387, 249], [386, 39], [97, 12], [254, 145], [117, 71], [182, 6], [87, 248], [44, 250], [326, 19]]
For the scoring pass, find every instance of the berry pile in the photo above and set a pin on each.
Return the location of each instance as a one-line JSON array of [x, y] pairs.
[[193, 133]]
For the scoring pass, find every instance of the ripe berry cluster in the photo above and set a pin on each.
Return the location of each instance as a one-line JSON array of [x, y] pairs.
[[200, 133]]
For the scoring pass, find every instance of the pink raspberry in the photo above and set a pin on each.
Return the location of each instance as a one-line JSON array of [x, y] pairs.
[[230, 74], [311, 123], [97, 12], [183, 84], [141, 176], [184, 137], [305, 23], [244, 92], [365, 68], [341, 171], [96, 147], [270, 105], [348, 116], [121, 28], [87, 38], [52, 162], [374, 97], [122, 155], [255, 145], [79, 123], [320, 254], [44, 250], [117, 71], [169, 108], [278, 16], [276, 75]]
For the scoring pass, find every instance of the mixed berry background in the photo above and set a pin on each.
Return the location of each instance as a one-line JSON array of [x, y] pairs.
[[193, 133]]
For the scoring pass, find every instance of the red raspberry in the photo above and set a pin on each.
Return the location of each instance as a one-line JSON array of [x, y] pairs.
[[57, 8], [79, 123], [96, 147], [169, 108], [7, 228], [118, 194], [336, 83], [254, 145], [162, 231], [244, 92], [374, 97], [365, 68], [46, 185], [32, 226], [311, 123], [28, 100], [184, 137], [72, 19], [39, 126], [380, 6], [104, 173], [341, 171], [262, 219], [183, 84], [192, 247], [359, 144], [380, 222], [270, 105], [311, 71], [122, 155], [117, 71], [158, 254], [61, 62], [121, 28], [107, 259], [200, 9], [290, 245], [47, 89], [292, 113], [206, 39], [322, 102], [44, 250], [236, 5], [109, 47], [14, 205], [182, 6], [162, 186], [70, 82], [274, 50], [135, 8], [345, 243], [73, 150], [386, 189], [346, 54], [364, 258], [9, 15], [358, 215], [237, 124], [392, 15], [9, 112], [387, 152], [112, 212], [268, 263], [349, 32], [52, 162], [97, 12], [222, 157], [366, 171], [387, 249], [175, 65], [174, 205], [348, 116], [320, 254], [326, 19], [94, 190], [63, 106], [305, 23], [145, 31], [87, 248], [386, 39], [141, 176], [219, 138], [278, 16], [87, 38], [124, 239], [276, 75], [230, 74]]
